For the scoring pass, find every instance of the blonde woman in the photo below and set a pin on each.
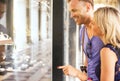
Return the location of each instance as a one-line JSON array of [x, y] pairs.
[[107, 24]]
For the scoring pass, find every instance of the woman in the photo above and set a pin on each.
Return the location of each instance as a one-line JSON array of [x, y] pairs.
[[107, 24]]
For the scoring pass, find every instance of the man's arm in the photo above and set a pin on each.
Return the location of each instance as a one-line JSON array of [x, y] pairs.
[[71, 71]]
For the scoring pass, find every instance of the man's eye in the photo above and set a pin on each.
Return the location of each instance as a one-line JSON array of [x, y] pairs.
[[74, 10]]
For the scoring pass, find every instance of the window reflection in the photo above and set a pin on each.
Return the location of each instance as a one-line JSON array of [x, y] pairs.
[[28, 58], [34, 21], [19, 23]]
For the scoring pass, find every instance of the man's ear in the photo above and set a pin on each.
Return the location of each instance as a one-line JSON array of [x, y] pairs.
[[88, 6]]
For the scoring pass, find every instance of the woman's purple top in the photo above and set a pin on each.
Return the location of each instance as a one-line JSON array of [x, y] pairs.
[[92, 51]]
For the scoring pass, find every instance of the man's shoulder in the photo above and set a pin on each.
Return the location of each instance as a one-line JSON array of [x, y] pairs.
[[82, 28]]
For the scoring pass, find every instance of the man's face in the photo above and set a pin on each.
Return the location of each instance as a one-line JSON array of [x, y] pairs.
[[78, 11], [2, 9]]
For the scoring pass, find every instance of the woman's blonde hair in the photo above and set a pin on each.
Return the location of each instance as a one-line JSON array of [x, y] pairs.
[[108, 20]]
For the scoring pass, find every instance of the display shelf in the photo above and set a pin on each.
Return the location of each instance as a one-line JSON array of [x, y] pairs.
[[6, 42]]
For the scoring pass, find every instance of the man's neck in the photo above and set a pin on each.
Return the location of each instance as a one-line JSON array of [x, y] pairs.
[[89, 30], [88, 25]]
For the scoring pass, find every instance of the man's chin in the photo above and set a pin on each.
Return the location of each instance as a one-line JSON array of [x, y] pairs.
[[78, 23]]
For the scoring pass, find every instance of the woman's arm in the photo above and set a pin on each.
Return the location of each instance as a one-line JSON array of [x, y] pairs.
[[108, 60]]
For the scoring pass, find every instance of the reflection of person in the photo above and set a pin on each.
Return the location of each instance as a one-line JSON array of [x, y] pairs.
[[2, 28], [82, 12], [2, 11], [107, 21]]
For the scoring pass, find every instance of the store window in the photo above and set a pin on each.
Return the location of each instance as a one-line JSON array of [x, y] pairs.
[[29, 56]]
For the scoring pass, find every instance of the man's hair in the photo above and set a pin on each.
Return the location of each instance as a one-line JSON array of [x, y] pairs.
[[89, 1], [3, 1]]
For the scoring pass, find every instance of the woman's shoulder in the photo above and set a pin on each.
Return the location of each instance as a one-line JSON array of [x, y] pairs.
[[107, 52], [108, 48]]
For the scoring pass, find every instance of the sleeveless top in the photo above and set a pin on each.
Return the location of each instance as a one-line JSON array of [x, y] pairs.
[[91, 48], [117, 66]]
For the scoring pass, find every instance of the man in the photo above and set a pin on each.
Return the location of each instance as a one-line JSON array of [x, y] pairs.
[[2, 11], [82, 12]]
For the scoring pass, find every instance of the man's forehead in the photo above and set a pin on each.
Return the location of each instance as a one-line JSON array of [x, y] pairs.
[[82, 0], [89, 1], [73, 3], [76, 1], [73, 7]]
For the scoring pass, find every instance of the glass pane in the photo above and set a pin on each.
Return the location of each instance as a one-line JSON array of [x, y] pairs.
[[29, 56]]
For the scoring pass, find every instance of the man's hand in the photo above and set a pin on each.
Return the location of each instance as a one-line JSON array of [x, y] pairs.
[[69, 70]]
